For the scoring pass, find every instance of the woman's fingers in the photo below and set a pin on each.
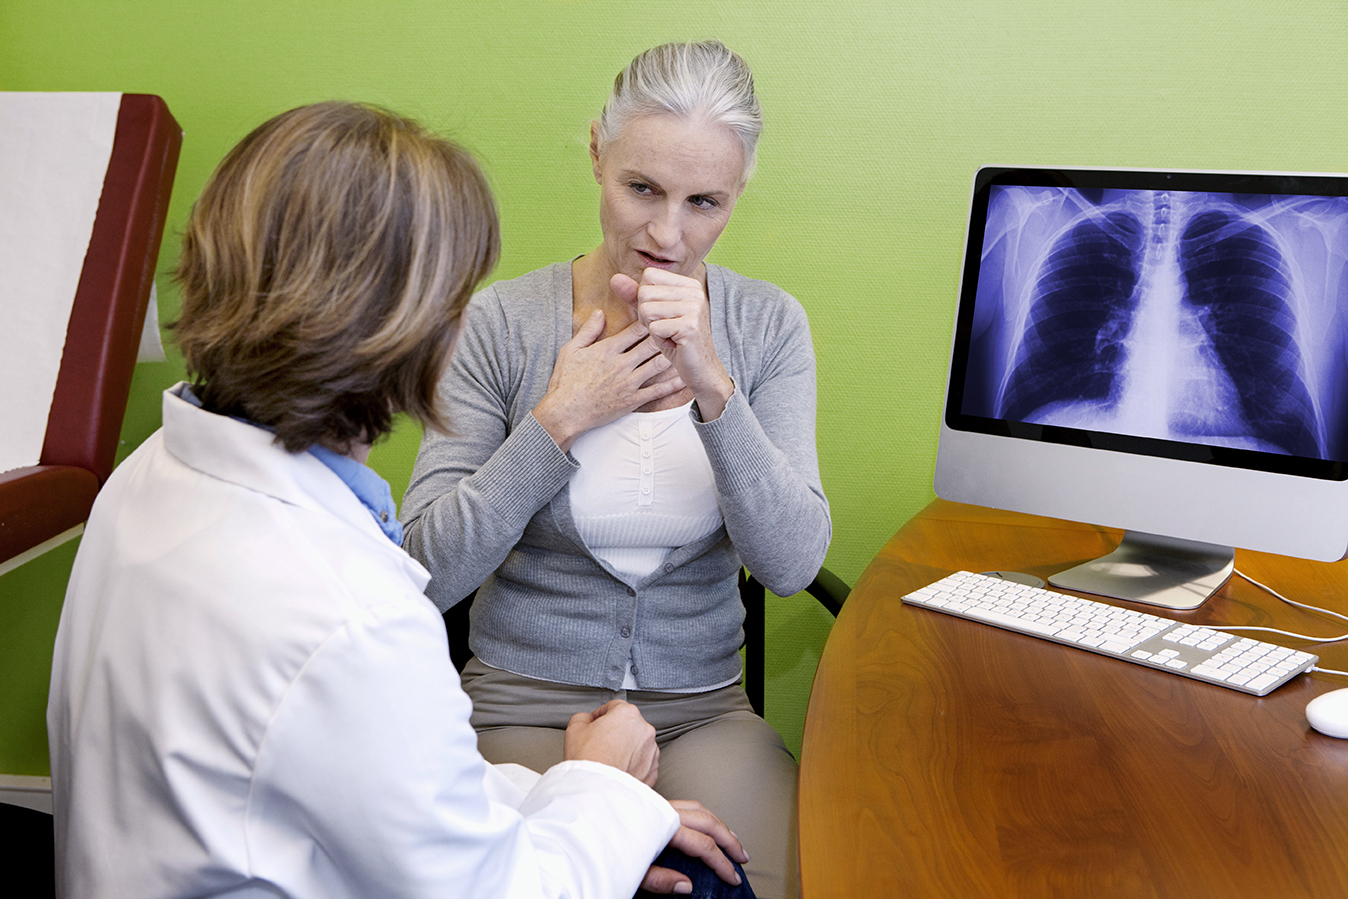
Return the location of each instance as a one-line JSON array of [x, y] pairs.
[[614, 734], [703, 836], [676, 312], [665, 880], [663, 295], [699, 819], [624, 287], [596, 380], [590, 331]]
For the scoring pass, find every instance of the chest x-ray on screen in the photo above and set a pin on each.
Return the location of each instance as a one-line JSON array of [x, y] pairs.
[[1219, 319]]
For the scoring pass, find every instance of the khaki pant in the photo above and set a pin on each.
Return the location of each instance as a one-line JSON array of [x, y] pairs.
[[713, 748]]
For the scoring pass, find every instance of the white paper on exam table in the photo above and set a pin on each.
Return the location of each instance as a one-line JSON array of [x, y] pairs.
[[54, 152]]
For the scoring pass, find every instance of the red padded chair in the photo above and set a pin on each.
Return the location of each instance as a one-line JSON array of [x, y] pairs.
[[44, 504]]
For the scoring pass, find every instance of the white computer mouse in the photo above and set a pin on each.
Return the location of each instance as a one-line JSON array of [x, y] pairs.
[[1328, 713]]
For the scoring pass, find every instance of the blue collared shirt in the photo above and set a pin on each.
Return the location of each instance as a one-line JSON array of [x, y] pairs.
[[369, 487]]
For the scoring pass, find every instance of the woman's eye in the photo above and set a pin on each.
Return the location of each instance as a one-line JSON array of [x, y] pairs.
[[703, 202], [639, 187]]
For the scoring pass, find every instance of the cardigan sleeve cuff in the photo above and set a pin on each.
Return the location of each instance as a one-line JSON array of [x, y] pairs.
[[740, 453], [526, 472]]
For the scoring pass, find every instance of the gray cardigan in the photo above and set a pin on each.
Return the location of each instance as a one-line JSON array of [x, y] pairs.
[[489, 505]]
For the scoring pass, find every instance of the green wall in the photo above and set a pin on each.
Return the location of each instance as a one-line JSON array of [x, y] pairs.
[[878, 113]]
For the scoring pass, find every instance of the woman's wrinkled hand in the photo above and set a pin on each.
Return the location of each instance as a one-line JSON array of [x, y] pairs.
[[701, 835], [675, 311], [596, 381], [614, 734]]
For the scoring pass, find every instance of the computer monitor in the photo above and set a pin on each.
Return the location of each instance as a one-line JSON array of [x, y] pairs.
[[1160, 351]]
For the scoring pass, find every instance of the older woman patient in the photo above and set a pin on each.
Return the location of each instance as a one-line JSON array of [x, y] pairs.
[[250, 694], [631, 428]]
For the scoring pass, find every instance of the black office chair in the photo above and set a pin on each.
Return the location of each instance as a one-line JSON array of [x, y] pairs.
[[827, 587], [27, 852]]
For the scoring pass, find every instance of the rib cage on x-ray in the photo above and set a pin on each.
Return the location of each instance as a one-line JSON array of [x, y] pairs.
[[1238, 285], [1164, 314], [1073, 344]]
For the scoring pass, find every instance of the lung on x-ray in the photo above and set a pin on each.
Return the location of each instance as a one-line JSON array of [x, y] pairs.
[[1212, 318]]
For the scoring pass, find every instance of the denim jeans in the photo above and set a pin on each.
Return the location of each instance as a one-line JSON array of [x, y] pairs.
[[707, 884]]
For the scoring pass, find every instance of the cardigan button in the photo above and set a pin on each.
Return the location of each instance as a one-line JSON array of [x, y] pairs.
[[631, 592], [626, 632], [669, 566]]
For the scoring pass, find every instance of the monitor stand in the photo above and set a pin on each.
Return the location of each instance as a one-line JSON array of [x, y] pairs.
[[1160, 571]]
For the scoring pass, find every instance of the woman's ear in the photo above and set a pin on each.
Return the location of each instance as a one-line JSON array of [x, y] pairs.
[[594, 150]]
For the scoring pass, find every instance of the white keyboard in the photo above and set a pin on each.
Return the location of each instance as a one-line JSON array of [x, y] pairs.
[[1204, 654]]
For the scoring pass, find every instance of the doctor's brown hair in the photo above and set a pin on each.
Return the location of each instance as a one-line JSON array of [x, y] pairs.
[[324, 270]]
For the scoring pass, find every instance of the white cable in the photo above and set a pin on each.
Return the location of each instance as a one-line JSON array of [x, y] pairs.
[[1328, 670], [1290, 602], [1273, 630]]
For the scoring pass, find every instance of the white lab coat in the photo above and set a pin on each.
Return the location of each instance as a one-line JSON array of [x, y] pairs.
[[251, 696]]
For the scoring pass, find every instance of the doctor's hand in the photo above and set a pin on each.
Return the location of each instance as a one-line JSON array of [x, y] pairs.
[[701, 835], [614, 734], [596, 381], [676, 312]]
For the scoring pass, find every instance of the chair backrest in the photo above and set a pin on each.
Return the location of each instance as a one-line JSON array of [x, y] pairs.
[[827, 588], [456, 628]]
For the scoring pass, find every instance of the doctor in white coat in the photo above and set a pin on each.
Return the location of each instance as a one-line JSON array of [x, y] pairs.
[[250, 694]]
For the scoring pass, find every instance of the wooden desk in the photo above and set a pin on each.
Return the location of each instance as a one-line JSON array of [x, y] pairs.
[[944, 757]]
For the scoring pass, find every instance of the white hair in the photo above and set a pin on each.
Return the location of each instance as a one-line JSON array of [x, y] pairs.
[[705, 78]]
